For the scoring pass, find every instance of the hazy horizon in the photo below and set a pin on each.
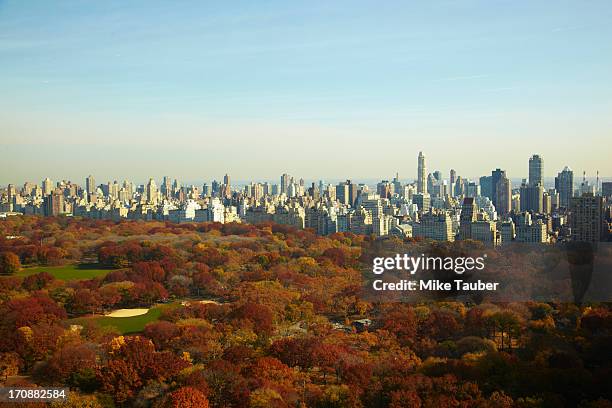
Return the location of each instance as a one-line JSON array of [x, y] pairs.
[[318, 90]]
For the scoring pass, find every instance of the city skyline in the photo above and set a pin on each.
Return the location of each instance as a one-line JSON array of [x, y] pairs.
[[324, 90], [489, 209], [547, 176]]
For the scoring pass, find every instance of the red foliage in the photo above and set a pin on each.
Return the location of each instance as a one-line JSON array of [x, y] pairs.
[[30, 310], [150, 271], [36, 282], [259, 315], [335, 255], [401, 321], [161, 333], [211, 257], [9, 263], [186, 397]]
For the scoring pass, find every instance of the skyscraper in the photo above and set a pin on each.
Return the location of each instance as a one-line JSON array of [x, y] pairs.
[[453, 180], [536, 170], [532, 199], [347, 193], [47, 186], [227, 189], [166, 187], [90, 185], [342, 193], [503, 196], [606, 189], [496, 175], [53, 204], [151, 192], [587, 218], [421, 175], [564, 184], [284, 183], [469, 211], [486, 188]]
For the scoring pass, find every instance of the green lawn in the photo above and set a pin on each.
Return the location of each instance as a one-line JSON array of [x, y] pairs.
[[127, 325], [133, 324], [68, 272]]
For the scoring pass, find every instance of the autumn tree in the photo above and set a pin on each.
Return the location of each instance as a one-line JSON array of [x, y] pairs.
[[119, 379], [185, 397], [9, 364], [37, 281], [259, 315], [9, 263], [507, 324]]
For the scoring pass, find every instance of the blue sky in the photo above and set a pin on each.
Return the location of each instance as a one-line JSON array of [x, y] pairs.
[[192, 89]]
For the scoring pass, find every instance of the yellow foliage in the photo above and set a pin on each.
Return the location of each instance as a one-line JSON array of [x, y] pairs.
[[117, 343], [187, 357], [26, 333], [263, 398]]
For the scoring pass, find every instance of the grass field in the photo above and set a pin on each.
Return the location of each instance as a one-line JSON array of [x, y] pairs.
[[68, 272], [127, 325], [133, 324]]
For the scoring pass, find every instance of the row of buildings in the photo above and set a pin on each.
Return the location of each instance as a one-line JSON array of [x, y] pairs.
[[489, 210]]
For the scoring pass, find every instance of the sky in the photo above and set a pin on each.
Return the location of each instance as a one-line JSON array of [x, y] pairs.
[[319, 89]]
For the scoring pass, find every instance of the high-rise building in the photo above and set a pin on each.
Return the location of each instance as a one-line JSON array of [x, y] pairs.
[[432, 185], [532, 197], [421, 175], [503, 196], [28, 188], [606, 189], [536, 170], [113, 190], [11, 191], [151, 192], [53, 204], [452, 181], [533, 232], [485, 231], [215, 187], [347, 193], [496, 175], [385, 189], [397, 185], [284, 183], [554, 199], [206, 190], [486, 188], [342, 193], [586, 187], [423, 201], [90, 185], [587, 218], [564, 184], [438, 227], [47, 186], [507, 231], [226, 188], [546, 203], [469, 212], [472, 189], [166, 187]]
